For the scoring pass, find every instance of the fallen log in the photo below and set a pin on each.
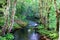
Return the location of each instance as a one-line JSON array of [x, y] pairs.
[[21, 23]]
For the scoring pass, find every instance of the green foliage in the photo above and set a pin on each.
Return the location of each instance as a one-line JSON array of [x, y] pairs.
[[50, 34], [2, 38], [8, 36], [16, 26], [58, 4], [41, 27], [2, 1], [2, 20], [26, 8], [52, 17], [53, 35]]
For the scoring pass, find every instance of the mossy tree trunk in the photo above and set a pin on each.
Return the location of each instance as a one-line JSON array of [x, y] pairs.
[[6, 15], [57, 16], [12, 15], [8, 26], [41, 12], [44, 12]]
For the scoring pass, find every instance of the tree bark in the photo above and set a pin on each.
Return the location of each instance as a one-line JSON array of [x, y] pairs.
[[57, 16], [12, 15], [6, 15]]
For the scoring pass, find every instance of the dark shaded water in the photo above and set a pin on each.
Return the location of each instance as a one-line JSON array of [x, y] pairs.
[[27, 33], [23, 34]]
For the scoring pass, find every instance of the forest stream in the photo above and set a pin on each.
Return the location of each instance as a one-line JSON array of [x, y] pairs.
[[22, 34], [26, 33]]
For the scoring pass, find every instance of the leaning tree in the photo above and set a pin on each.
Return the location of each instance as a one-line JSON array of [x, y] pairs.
[[9, 15]]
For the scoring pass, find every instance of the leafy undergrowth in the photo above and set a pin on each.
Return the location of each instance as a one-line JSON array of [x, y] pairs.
[[50, 34], [8, 36]]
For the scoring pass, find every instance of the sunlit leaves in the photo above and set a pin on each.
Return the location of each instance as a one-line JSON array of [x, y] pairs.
[[2, 38], [52, 17], [58, 4], [2, 1], [9, 36]]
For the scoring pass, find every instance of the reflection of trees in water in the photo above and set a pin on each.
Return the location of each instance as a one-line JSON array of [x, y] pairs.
[[23, 34], [33, 36]]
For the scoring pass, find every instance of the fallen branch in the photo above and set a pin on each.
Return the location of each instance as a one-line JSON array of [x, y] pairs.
[[21, 23]]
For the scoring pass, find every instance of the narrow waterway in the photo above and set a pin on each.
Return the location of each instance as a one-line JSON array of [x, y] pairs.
[[23, 34], [27, 33]]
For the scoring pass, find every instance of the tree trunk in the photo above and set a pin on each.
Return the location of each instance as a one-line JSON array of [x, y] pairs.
[[6, 15], [12, 15], [44, 16], [57, 16]]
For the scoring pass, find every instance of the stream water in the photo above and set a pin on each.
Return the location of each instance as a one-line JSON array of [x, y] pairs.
[[26, 33], [23, 34]]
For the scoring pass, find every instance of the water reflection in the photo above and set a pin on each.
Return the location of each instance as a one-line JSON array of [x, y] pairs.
[[33, 36], [27, 33], [23, 34]]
